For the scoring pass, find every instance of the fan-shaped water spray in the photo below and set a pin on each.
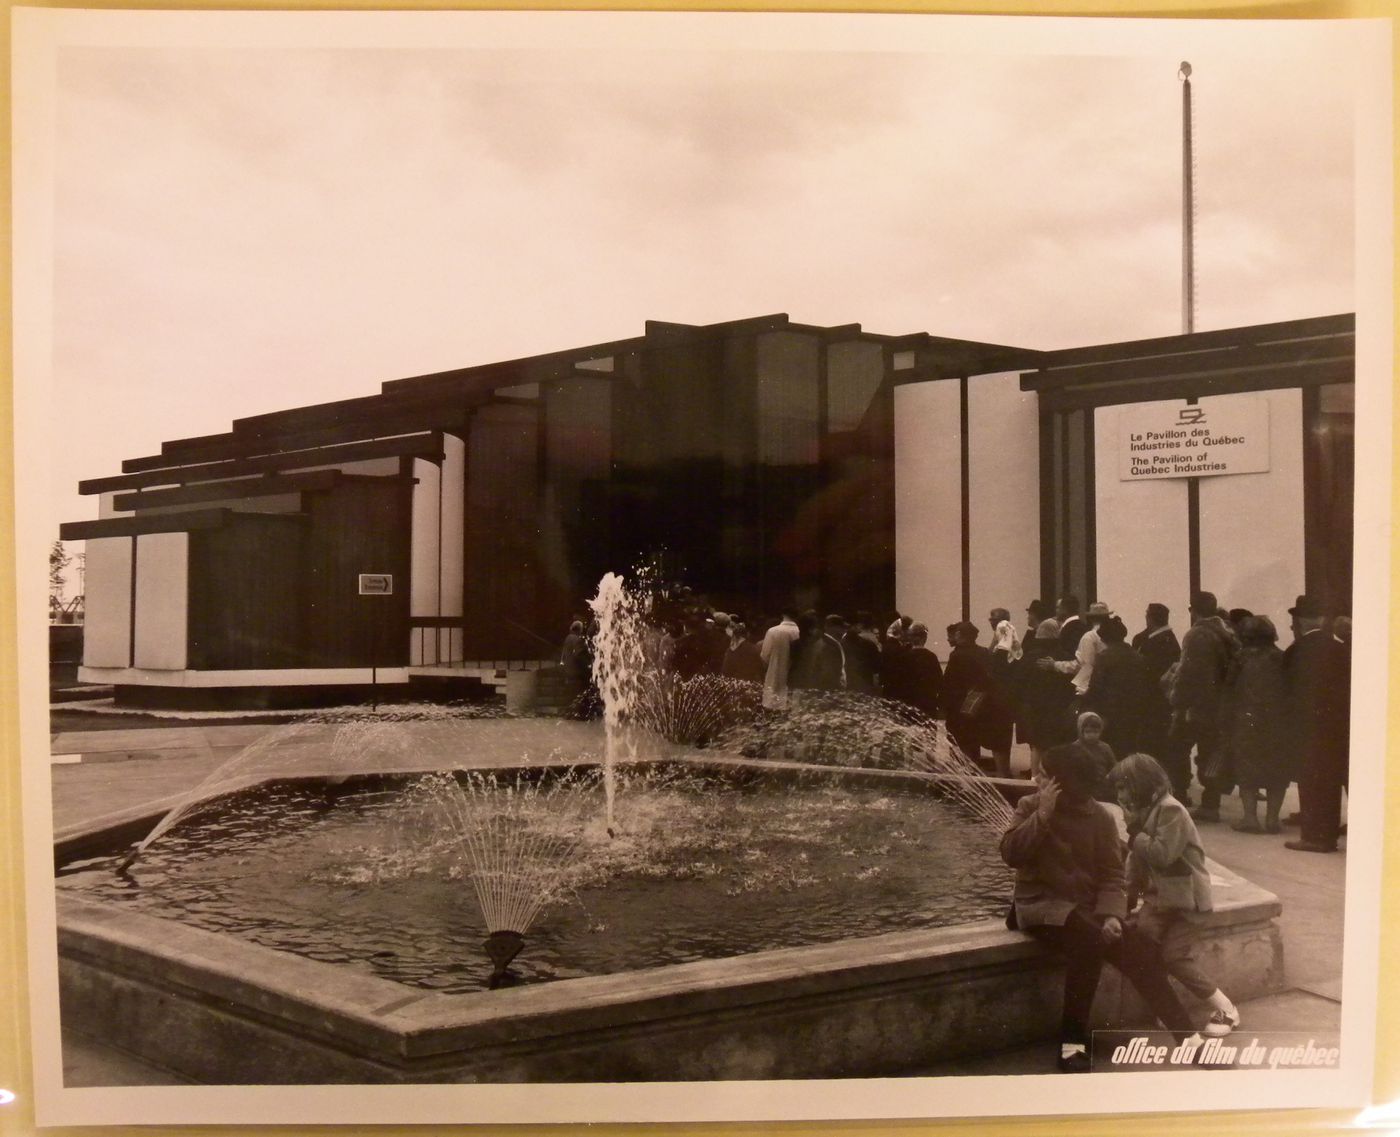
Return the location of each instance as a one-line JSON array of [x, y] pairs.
[[516, 833], [695, 711], [331, 746], [841, 728]]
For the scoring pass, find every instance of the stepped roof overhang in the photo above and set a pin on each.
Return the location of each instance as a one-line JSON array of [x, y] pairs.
[[409, 416], [1292, 353]]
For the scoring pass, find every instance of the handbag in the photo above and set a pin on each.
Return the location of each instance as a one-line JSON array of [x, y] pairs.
[[972, 703]]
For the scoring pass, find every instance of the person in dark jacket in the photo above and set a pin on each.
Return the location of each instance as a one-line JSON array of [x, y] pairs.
[[817, 662], [978, 710], [862, 647], [1159, 647], [575, 657], [692, 654], [742, 660], [894, 655], [1206, 652], [923, 674], [1072, 627], [1254, 715], [715, 631], [1121, 690], [1318, 667], [1037, 612], [1043, 696], [1157, 643], [1070, 894]]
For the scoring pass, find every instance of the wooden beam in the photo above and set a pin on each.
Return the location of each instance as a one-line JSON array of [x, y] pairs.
[[427, 445], [140, 526], [1196, 341], [368, 408], [1185, 365], [257, 486], [367, 428], [508, 372], [1200, 387]]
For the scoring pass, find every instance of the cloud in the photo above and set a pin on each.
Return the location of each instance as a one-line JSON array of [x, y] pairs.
[[242, 230]]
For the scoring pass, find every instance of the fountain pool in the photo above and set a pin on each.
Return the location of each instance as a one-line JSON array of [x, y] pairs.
[[698, 869], [220, 1009]]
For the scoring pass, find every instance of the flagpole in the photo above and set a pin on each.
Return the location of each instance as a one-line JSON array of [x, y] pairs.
[[1188, 209], [1188, 318]]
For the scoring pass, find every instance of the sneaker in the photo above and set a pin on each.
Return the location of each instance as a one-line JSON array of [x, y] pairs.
[[1221, 1023], [1248, 825], [1074, 1063]]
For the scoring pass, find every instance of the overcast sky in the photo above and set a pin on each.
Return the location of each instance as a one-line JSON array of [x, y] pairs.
[[244, 230]]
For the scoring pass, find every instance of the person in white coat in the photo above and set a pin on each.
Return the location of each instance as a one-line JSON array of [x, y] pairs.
[[776, 654]]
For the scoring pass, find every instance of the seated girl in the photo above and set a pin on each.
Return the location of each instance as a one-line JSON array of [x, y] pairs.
[[1070, 893], [1167, 868]]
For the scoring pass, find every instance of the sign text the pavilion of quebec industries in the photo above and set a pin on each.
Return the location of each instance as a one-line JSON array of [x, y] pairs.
[[1224, 435]]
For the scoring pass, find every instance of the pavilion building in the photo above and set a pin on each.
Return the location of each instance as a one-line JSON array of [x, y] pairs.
[[456, 522]]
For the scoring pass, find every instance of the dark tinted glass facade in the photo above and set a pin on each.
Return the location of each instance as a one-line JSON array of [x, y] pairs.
[[756, 467]]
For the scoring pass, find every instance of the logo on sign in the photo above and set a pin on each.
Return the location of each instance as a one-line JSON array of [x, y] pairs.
[[1191, 416], [376, 584]]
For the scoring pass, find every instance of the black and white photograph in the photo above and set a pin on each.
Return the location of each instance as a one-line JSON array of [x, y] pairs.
[[699, 567]]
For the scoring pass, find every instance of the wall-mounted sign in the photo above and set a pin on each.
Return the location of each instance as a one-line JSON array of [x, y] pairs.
[[376, 584], [1228, 434]]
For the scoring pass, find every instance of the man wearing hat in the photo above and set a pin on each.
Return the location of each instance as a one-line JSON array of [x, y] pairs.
[[1318, 669], [1206, 651], [1081, 667]]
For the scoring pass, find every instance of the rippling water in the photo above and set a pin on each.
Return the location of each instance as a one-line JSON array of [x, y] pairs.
[[696, 871]]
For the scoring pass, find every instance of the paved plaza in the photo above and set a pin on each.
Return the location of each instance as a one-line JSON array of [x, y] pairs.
[[100, 774]]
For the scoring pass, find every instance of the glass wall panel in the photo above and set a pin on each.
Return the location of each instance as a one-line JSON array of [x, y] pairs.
[[789, 399], [854, 372], [1330, 491], [578, 437], [507, 610]]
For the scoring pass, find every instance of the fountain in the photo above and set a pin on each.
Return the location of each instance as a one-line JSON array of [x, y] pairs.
[[519, 835], [531, 835], [618, 662]]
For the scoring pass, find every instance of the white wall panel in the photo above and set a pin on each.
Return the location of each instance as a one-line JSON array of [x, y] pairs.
[[454, 505], [1141, 535], [107, 584], [1252, 524], [1004, 498], [928, 505], [106, 508], [426, 542], [162, 600]]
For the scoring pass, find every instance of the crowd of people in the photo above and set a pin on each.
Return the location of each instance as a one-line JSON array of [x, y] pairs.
[[1221, 707], [1109, 863]]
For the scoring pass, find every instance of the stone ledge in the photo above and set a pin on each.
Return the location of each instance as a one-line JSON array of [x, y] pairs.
[[871, 1005]]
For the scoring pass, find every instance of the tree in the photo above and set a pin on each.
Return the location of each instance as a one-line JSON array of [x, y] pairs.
[[59, 560]]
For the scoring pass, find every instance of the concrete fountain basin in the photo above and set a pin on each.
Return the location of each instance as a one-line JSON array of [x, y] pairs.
[[219, 1010]]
